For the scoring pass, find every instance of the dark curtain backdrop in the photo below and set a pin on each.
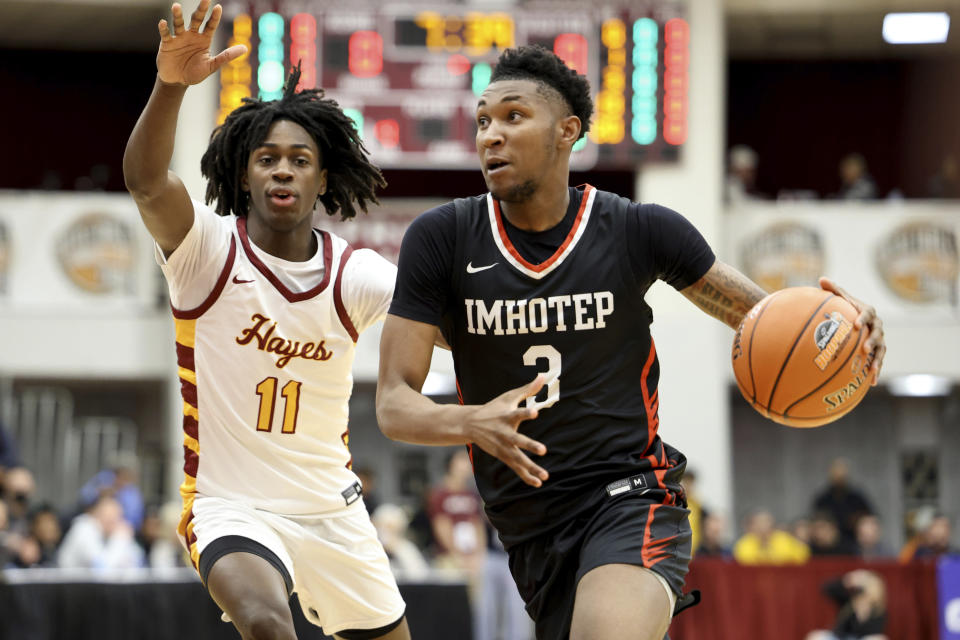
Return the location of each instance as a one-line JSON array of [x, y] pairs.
[[184, 611], [802, 117]]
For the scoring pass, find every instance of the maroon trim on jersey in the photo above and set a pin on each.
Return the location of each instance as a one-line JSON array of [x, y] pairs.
[[189, 392], [185, 357], [196, 312], [191, 427], [190, 538], [338, 296], [291, 296], [560, 250], [191, 460]]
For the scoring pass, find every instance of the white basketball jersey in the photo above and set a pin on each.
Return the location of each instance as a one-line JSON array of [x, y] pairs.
[[265, 369]]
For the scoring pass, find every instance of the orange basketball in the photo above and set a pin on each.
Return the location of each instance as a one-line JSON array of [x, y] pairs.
[[799, 360]]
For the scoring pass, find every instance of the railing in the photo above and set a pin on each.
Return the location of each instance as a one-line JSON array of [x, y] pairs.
[[62, 450]]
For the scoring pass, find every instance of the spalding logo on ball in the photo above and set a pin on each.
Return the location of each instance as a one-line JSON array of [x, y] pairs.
[[798, 359]]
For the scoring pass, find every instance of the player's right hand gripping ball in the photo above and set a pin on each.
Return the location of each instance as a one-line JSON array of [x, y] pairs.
[[798, 359]]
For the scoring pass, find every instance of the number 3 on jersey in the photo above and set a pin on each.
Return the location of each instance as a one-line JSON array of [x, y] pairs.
[[267, 390], [552, 356]]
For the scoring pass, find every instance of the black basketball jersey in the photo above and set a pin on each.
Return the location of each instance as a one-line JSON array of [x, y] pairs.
[[578, 317]]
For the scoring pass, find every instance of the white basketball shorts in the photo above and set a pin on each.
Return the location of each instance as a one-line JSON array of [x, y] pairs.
[[339, 569]]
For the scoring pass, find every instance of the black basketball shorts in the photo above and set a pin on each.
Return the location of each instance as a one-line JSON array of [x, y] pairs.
[[624, 529]]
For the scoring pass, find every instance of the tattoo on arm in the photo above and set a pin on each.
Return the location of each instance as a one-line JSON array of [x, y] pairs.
[[725, 293]]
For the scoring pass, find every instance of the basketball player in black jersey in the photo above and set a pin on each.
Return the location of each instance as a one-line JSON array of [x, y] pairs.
[[538, 280]]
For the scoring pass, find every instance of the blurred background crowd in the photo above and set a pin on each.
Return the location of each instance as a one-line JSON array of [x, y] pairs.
[[445, 534]]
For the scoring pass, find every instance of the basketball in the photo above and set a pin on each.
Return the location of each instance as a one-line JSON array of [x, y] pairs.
[[798, 359]]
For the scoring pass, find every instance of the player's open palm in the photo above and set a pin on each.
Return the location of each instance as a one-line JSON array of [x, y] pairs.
[[184, 56], [495, 430]]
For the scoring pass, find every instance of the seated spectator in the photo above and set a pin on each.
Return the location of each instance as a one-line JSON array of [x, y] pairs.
[[935, 539], [713, 542], [825, 539], [917, 522], [391, 522], [861, 596], [100, 538], [18, 490], [119, 480], [870, 539], [800, 529], [741, 175], [456, 518], [159, 538], [946, 182], [39, 547], [764, 544], [855, 180]]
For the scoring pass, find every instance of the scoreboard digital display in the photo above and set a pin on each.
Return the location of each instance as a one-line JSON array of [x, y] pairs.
[[410, 74]]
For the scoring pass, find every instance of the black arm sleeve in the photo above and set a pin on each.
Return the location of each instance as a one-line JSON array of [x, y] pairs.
[[423, 271], [664, 245]]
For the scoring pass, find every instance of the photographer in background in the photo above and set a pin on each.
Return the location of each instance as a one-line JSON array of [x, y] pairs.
[[861, 596]]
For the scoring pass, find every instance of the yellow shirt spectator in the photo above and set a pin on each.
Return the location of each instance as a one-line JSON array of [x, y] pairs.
[[763, 544]]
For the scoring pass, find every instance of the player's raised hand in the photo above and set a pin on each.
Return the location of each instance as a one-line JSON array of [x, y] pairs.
[[494, 428], [868, 317], [184, 56]]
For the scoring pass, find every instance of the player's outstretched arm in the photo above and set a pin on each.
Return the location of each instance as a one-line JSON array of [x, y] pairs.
[[725, 293], [405, 414], [182, 60]]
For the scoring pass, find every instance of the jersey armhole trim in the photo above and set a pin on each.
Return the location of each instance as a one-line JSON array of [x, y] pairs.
[[338, 296], [196, 312]]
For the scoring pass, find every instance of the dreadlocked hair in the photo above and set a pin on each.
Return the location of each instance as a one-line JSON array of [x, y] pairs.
[[351, 178], [542, 66]]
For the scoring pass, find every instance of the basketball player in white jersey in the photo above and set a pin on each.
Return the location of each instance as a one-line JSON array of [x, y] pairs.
[[267, 312]]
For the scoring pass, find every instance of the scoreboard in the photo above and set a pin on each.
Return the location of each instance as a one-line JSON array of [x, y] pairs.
[[410, 74]]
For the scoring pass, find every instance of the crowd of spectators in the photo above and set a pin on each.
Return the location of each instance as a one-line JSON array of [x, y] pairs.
[[841, 522], [111, 528], [854, 181], [107, 528]]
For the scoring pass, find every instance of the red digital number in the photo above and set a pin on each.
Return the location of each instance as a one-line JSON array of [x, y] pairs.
[[365, 50], [387, 132], [572, 49], [303, 48]]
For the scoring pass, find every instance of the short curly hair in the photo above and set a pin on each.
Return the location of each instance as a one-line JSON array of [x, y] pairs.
[[542, 66]]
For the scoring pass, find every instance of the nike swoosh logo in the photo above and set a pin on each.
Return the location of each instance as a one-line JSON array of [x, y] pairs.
[[473, 269], [237, 280]]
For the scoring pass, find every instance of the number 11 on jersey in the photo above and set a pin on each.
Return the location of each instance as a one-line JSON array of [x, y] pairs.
[[267, 390], [552, 356]]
